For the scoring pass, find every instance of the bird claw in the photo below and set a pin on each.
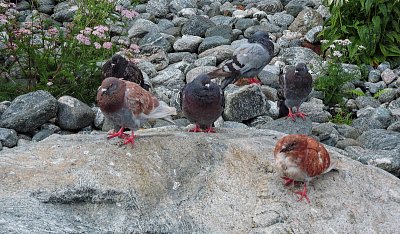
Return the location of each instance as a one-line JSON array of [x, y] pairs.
[[303, 194], [130, 139], [301, 114], [209, 130], [287, 180], [196, 129], [119, 134], [292, 116]]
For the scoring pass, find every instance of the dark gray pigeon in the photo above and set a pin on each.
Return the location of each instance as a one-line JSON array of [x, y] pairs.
[[296, 85], [202, 103], [248, 60], [121, 67]]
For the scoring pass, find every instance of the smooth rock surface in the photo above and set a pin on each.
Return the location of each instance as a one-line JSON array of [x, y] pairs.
[[178, 182]]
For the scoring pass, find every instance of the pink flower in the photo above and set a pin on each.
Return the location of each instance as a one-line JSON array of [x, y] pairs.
[[83, 39], [97, 45], [118, 8], [129, 14], [99, 34], [101, 28], [134, 48], [52, 31], [3, 19], [22, 31], [86, 31], [12, 46], [107, 45]]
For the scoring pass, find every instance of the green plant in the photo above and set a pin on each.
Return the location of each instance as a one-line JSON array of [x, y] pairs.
[[379, 93], [357, 92], [372, 24], [61, 60], [342, 117]]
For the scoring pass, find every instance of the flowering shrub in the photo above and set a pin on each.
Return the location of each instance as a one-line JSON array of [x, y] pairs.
[[61, 60], [373, 24], [335, 77]]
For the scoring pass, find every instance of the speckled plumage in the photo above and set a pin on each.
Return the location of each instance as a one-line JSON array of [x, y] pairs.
[[128, 105], [120, 67], [248, 59], [300, 158], [295, 85], [202, 101]]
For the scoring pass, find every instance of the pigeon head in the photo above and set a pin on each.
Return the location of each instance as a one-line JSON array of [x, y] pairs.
[[259, 37], [301, 68], [293, 144], [203, 79], [110, 95]]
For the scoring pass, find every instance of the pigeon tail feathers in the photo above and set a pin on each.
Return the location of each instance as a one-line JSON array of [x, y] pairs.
[[162, 111]]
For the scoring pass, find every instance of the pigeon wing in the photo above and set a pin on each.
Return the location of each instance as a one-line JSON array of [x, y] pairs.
[[251, 57], [138, 100]]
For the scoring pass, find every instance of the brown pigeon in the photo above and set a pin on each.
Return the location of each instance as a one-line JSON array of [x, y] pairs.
[[296, 85], [300, 158], [120, 66], [248, 60], [128, 105], [202, 103]]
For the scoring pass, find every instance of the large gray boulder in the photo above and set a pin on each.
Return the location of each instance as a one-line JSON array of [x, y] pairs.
[[27, 112], [173, 181]]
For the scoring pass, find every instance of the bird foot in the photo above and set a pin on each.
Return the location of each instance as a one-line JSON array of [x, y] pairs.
[[292, 116], [301, 114], [209, 130], [119, 134], [303, 193], [289, 181], [196, 129], [254, 80], [130, 139]]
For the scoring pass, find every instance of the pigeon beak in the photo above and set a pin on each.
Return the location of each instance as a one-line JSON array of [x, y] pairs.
[[103, 90]]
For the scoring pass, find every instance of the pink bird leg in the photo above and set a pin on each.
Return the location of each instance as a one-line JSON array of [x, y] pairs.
[[196, 129], [299, 113], [130, 139], [209, 130], [303, 193], [119, 134], [291, 115]]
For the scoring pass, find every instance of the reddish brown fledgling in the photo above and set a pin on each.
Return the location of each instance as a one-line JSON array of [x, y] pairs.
[[300, 158], [128, 105]]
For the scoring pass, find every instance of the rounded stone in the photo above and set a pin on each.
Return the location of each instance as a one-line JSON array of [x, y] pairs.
[[73, 114]]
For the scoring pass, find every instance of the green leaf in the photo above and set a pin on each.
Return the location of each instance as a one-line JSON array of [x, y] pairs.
[[389, 50]]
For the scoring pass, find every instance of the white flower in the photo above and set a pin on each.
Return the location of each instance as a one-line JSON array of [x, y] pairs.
[[361, 47], [337, 53], [49, 83], [324, 41], [332, 46]]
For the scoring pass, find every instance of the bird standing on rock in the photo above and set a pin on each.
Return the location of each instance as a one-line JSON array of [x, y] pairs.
[[296, 85], [202, 103], [300, 158], [121, 67], [248, 60], [128, 105]]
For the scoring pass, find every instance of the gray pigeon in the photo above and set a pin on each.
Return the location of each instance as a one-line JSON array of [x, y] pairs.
[[128, 105], [296, 85], [120, 66], [202, 103], [248, 59]]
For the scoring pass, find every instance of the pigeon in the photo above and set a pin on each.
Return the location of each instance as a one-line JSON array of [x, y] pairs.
[[300, 158], [128, 105], [202, 103], [248, 60], [120, 66], [296, 85]]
